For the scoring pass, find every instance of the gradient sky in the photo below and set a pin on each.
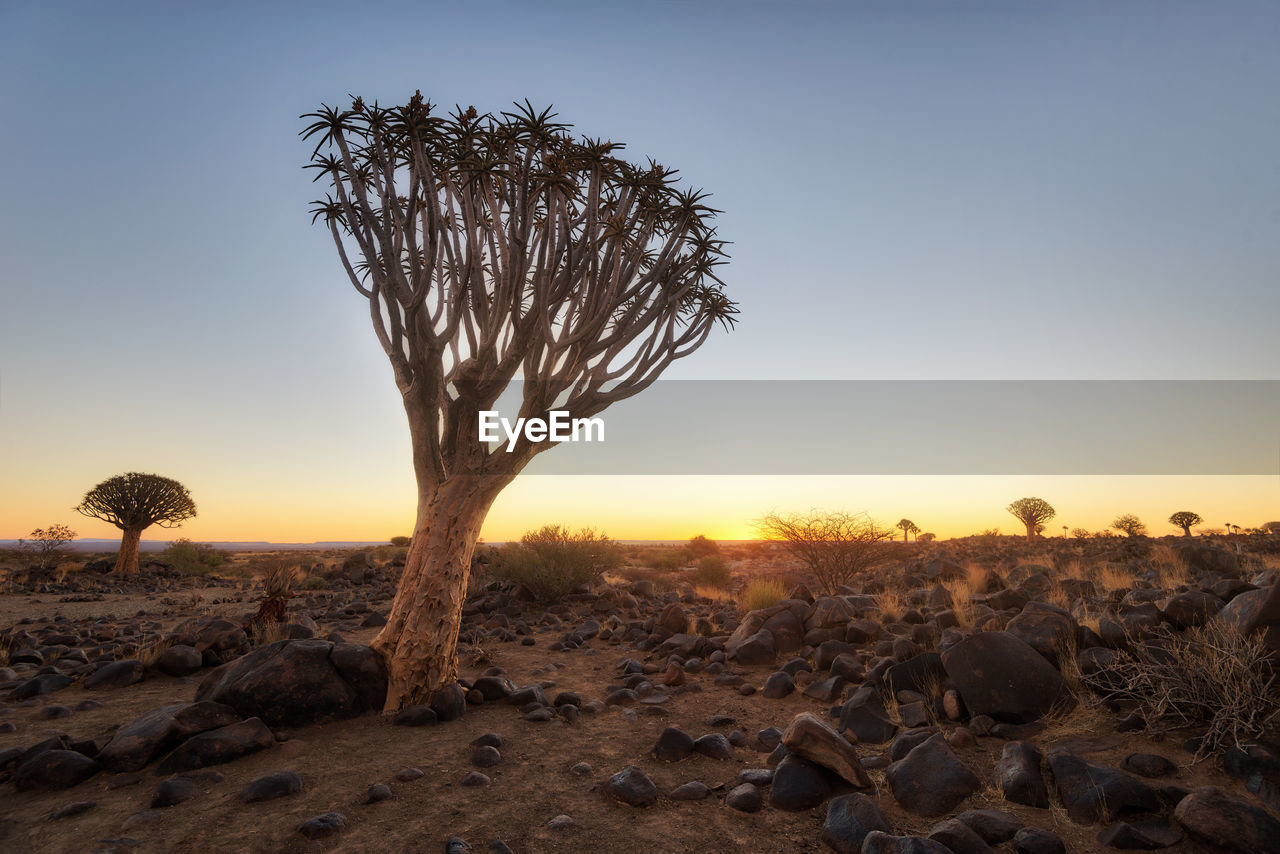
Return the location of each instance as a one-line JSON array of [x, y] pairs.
[[914, 190]]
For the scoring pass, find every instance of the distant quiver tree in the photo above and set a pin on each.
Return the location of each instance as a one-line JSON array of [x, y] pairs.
[[133, 502]]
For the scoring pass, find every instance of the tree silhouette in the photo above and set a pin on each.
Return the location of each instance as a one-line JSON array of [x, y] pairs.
[[1185, 520], [907, 527], [133, 502], [491, 249], [836, 547], [46, 543], [1129, 525], [1032, 512]]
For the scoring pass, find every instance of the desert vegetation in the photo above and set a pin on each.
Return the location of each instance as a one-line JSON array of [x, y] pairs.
[[1098, 684]]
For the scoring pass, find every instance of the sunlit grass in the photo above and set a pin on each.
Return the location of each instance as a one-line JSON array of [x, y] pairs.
[[762, 593]]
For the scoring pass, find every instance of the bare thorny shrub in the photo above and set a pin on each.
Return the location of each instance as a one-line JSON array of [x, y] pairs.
[[1213, 676]]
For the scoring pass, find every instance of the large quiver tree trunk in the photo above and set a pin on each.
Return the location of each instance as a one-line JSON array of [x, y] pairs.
[[420, 639]]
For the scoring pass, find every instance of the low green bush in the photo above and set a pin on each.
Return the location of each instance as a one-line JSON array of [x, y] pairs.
[[714, 571], [552, 562], [193, 558]]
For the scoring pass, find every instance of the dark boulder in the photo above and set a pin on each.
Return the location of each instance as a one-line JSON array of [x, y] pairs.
[[137, 743], [798, 785], [849, 819], [1092, 792], [298, 682], [1021, 781], [1227, 825], [54, 769], [931, 779], [1000, 675], [218, 746]]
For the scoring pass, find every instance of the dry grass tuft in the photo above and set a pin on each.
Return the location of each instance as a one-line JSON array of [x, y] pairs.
[[1110, 578], [715, 594], [892, 606], [762, 593], [150, 653], [1212, 677], [961, 601]]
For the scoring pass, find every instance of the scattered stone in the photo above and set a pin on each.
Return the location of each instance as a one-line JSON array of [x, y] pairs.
[[798, 785], [959, 838], [1144, 835], [931, 780], [323, 826], [810, 738], [117, 674], [692, 791], [1000, 675], [1093, 793], [180, 660], [377, 792], [416, 715], [173, 791], [673, 745], [218, 746], [864, 715], [1149, 765], [449, 703], [475, 778], [1226, 824], [72, 809], [408, 775], [1020, 779], [850, 818], [54, 769], [994, 826], [745, 798], [778, 685], [277, 785], [485, 756], [1037, 840], [633, 787], [879, 842], [560, 822], [298, 682], [713, 745], [139, 742]]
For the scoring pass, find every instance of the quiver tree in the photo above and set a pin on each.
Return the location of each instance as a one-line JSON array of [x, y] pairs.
[[1032, 512], [133, 502], [490, 249], [1186, 520], [1129, 525], [907, 527]]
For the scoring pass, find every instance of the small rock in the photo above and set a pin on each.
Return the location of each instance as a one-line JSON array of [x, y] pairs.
[[879, 842], [560, 822], [745, 798], [475, 778], [1140, 835], [323, 826], [931, 780], [1148, 765], [673, 745], [692, 791], [1037, 840], [633, 787], [417, 715], [74, 808], [408, 775], [485, 756], [377, 792], [173, 791], [268, 788], [850, 818]]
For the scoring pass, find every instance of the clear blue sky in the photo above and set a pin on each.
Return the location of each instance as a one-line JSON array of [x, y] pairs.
[[927, 190]]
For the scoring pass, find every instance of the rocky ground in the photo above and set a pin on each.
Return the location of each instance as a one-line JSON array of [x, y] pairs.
[[959, 703]]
